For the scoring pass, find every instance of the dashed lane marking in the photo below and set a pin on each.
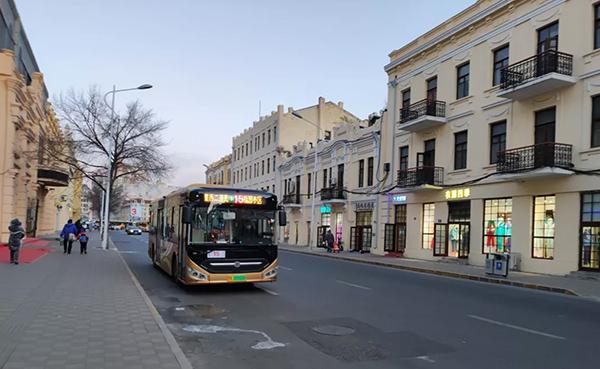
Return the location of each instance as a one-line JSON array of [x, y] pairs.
[[522, 329], [353, 285]]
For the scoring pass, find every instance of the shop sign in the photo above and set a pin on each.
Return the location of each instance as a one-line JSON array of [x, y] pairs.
[[398, 199], [325, 209], [364, 206], [457, 194]]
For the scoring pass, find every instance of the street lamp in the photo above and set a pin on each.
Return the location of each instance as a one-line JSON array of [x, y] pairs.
[[314, 179], [107, 187]]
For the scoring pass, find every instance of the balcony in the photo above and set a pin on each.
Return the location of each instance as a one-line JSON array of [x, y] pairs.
[[52, 177], [333, 195], [423, 115], [542, 160], [421, 178], [545, 72], [292, 200]]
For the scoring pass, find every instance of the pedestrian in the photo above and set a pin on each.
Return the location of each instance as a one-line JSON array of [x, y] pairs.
[[329, 240], [68, 235], [83, 240], [17, 233]]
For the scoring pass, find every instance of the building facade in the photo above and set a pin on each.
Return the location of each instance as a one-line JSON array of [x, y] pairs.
[[219, 172], [494, 137], [331, 187], [257, 151], [29, 179]]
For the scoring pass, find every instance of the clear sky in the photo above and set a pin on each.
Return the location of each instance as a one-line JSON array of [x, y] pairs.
[[212, 61]]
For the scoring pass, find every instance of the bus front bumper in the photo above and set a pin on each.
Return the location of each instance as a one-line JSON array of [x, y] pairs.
[[196, 275]]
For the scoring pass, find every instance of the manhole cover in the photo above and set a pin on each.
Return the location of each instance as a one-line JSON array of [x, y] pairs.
[[333, 330]]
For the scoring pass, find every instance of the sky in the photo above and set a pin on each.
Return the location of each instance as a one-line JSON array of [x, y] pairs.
[[211, 62]]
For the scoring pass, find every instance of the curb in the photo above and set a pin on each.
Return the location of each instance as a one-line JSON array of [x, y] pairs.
[[183, 361], [470, 277]]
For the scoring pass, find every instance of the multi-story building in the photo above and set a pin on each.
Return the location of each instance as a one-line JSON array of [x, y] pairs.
[[138, 198], [257, 150], [28, 177], [331, 186], [219, 172], [494, 133]]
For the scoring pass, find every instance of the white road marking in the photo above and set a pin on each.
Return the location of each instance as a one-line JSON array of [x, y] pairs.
[[353, 285], [523, 329], [284, 268], [267, 344], [127, 252], [268, 291], [425, 358]]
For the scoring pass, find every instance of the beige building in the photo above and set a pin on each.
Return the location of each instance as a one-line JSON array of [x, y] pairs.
[[331, 186], [28, 178], [257, 150], [219, 172], [494, 136]]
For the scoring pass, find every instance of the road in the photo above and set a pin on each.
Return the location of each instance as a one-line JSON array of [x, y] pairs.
[[325, 313]]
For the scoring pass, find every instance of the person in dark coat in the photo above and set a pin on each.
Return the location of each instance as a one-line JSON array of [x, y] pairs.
[[329, 240], [68, 235], [17, 233]]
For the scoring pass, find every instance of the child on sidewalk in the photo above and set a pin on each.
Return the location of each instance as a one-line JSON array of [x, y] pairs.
[[83, 240]]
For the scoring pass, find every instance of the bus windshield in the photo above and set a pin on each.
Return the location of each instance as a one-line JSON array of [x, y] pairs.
[[235, 226]]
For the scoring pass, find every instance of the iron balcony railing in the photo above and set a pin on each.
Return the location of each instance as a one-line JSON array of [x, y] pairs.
[[432, 108], [418, 176], [291, 199], [333, 193], [549, 154], [550, 61]]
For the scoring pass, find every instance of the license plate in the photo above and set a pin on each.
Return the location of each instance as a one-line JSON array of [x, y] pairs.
[[238, 278], [217, 254]]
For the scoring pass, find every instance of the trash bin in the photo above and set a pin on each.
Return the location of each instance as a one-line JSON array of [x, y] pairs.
[[497, 264]]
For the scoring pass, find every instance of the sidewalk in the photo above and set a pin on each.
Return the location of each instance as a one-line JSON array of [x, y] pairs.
[[567, 285], [79, 311]]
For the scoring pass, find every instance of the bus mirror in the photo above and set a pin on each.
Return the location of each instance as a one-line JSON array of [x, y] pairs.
[[187, 216], [282, 218]]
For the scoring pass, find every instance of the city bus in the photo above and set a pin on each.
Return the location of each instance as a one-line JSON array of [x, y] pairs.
[[205, 234]]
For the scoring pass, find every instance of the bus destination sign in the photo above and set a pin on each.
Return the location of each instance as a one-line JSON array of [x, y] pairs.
[[234, 199]]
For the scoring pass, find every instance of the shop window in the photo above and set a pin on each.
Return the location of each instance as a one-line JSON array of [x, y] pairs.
[[543, 227], [497, 225], [428, 225], [590, 231], [364, 218]]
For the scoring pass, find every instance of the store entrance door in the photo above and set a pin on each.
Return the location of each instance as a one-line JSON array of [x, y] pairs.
[[459, 224], [360, 238]]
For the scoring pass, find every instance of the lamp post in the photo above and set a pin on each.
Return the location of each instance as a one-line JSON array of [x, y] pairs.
[[110, 159], [314, 179]]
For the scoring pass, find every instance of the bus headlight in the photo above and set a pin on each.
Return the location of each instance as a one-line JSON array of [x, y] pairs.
[[271, 273], [196, 274]]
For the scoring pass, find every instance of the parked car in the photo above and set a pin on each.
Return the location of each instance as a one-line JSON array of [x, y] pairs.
[[133, 230]]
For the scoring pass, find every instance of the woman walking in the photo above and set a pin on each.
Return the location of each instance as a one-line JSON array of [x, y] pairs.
[[17, 233], [68, 235]]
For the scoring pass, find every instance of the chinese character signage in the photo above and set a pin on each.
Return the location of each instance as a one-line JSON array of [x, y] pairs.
[[325, 209], [458, 194], [397, 199], [234, 199]]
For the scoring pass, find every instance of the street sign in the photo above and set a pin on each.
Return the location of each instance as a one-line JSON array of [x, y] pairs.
[[135, 212]]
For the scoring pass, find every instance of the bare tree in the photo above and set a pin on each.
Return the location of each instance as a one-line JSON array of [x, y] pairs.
[[132, 140], [117, 198]]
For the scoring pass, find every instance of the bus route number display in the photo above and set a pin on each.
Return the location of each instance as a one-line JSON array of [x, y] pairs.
[[234, 199]]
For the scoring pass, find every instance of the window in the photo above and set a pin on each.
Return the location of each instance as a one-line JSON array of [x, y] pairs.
[[262, 171], [428, 224], [595, 121], [500, 62], [256, 143], [361, 173], [268, 165], [432, 89], [308, 189], [590, 231], [268, 137], [328, 135], [497, 140], [548, 38], [246, 174], [275, 134], [497, 225], [273, 163], [370, 171], [462, 81], [460, 150], [597, 26], [406, 98], [543, 227], [246, 148], [263, 140], [324, 178], [403, 158]]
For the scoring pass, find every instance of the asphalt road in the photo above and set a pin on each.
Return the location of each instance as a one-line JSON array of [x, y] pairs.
[[325, 313]]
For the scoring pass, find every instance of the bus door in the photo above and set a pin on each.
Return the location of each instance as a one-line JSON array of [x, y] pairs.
[[182, 241]]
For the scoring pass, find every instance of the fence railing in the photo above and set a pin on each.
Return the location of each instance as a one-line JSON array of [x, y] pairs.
[[549, 154], [418, 176], [550, 61], [291, 198], [433, 108], [333, 193]]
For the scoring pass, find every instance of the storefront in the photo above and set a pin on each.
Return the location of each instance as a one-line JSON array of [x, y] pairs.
[[497, 225], [459, 225], [590, 232], [325, 225], [361, 235], [395, 233]]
